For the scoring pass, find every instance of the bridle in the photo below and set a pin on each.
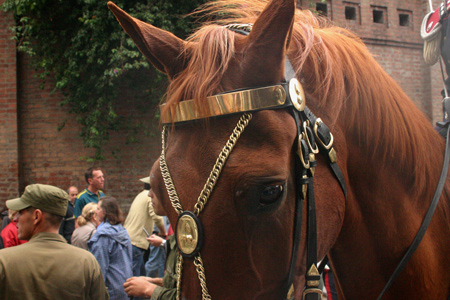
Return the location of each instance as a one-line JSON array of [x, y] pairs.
[[287, 95]]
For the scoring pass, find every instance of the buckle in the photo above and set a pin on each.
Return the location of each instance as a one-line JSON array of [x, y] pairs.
[[317, 124], [303, 151], [312, 291], [314, 149]]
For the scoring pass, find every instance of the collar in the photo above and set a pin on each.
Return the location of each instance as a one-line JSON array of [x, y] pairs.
[[93, 194], [47, 236]]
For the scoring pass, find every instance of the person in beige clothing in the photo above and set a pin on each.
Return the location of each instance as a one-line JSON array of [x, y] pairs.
[[141, 216], [39, 269], [87, 224]]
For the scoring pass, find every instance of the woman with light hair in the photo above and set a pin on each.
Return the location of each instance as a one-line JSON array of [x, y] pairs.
[[87, 224]]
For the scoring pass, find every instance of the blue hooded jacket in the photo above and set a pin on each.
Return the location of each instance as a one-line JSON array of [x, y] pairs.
[[111, 246]]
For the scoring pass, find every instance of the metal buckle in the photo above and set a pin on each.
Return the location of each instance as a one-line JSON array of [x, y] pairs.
[[312, 291], [313, 150], [312, 286], [316, 127], [300, 151]]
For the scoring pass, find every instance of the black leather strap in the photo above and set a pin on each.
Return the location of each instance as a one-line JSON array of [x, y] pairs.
[[311, 256], [325, 135], [426, 220], [298, 216], [339, 176], [305, 177]]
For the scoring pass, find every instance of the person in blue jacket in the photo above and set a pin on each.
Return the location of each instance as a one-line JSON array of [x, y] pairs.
[[111, 246]]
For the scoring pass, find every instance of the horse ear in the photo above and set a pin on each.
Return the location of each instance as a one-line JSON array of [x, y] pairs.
[[268, 41], [163, 49]]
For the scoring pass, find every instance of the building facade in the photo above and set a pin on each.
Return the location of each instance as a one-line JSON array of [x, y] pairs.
[[34, 151]]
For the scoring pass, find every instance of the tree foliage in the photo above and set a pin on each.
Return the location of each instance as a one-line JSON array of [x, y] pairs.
[[81, 46]]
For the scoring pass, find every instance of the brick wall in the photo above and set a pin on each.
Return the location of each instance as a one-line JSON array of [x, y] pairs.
[[9, 173], [58, 157]]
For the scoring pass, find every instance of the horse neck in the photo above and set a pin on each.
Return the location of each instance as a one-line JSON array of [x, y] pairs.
[[391, 179]]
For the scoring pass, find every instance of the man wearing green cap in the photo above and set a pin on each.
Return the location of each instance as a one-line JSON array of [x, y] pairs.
[[40, 269]]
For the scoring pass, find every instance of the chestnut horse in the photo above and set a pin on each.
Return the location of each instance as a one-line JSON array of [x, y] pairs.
[[388, 151]]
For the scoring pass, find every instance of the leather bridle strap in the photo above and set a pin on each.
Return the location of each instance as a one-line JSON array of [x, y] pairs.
[[304, 163], [325, 142], [300, 172], [426, 220]]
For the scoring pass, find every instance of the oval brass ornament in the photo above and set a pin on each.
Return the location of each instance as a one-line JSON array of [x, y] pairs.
[[297, 94], [189, 234]]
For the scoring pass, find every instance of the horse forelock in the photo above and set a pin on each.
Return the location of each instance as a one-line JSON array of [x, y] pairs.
[[210, 50], [340, 77]]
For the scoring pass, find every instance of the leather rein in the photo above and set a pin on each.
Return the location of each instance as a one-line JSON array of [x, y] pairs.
[[287, 95]]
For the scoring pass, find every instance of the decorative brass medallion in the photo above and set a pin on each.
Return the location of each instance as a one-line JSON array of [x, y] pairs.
[[189, 234], [297, 94]]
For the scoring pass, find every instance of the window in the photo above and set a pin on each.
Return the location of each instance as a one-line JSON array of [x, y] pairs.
[[380, 15], [405, 18], [350, 13]]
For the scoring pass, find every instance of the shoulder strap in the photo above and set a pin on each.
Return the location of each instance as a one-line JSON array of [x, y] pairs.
[[90, 234]]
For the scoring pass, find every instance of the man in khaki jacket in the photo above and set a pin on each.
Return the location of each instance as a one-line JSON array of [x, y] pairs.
[[141, 215], [46, 267]]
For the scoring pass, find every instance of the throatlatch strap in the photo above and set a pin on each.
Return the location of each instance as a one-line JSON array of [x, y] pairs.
[[426, 220]]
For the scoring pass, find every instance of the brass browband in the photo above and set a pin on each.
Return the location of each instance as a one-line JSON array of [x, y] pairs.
[[230, 103]]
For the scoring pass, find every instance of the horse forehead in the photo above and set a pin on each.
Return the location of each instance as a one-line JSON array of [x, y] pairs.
[[268, 137]]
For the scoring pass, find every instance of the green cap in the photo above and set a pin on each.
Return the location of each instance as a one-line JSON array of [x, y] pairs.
[[44, 197]]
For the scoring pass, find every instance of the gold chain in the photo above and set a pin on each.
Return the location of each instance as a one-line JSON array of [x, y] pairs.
[[179, 268], [204, 195], [173, 195], [223, 156], [198, 262]]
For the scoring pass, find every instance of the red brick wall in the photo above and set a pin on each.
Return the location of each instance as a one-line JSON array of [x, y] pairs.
[[9, 174], [58, 157]]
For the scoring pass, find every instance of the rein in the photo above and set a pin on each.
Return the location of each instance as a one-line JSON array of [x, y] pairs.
[[426, 220]]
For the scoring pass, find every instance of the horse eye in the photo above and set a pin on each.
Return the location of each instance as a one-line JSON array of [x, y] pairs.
[[270, 194]]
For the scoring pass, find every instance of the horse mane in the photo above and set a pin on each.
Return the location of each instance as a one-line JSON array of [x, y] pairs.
[[337, 72]]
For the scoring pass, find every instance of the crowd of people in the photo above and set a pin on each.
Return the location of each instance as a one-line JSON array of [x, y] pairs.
[[111, 257]]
